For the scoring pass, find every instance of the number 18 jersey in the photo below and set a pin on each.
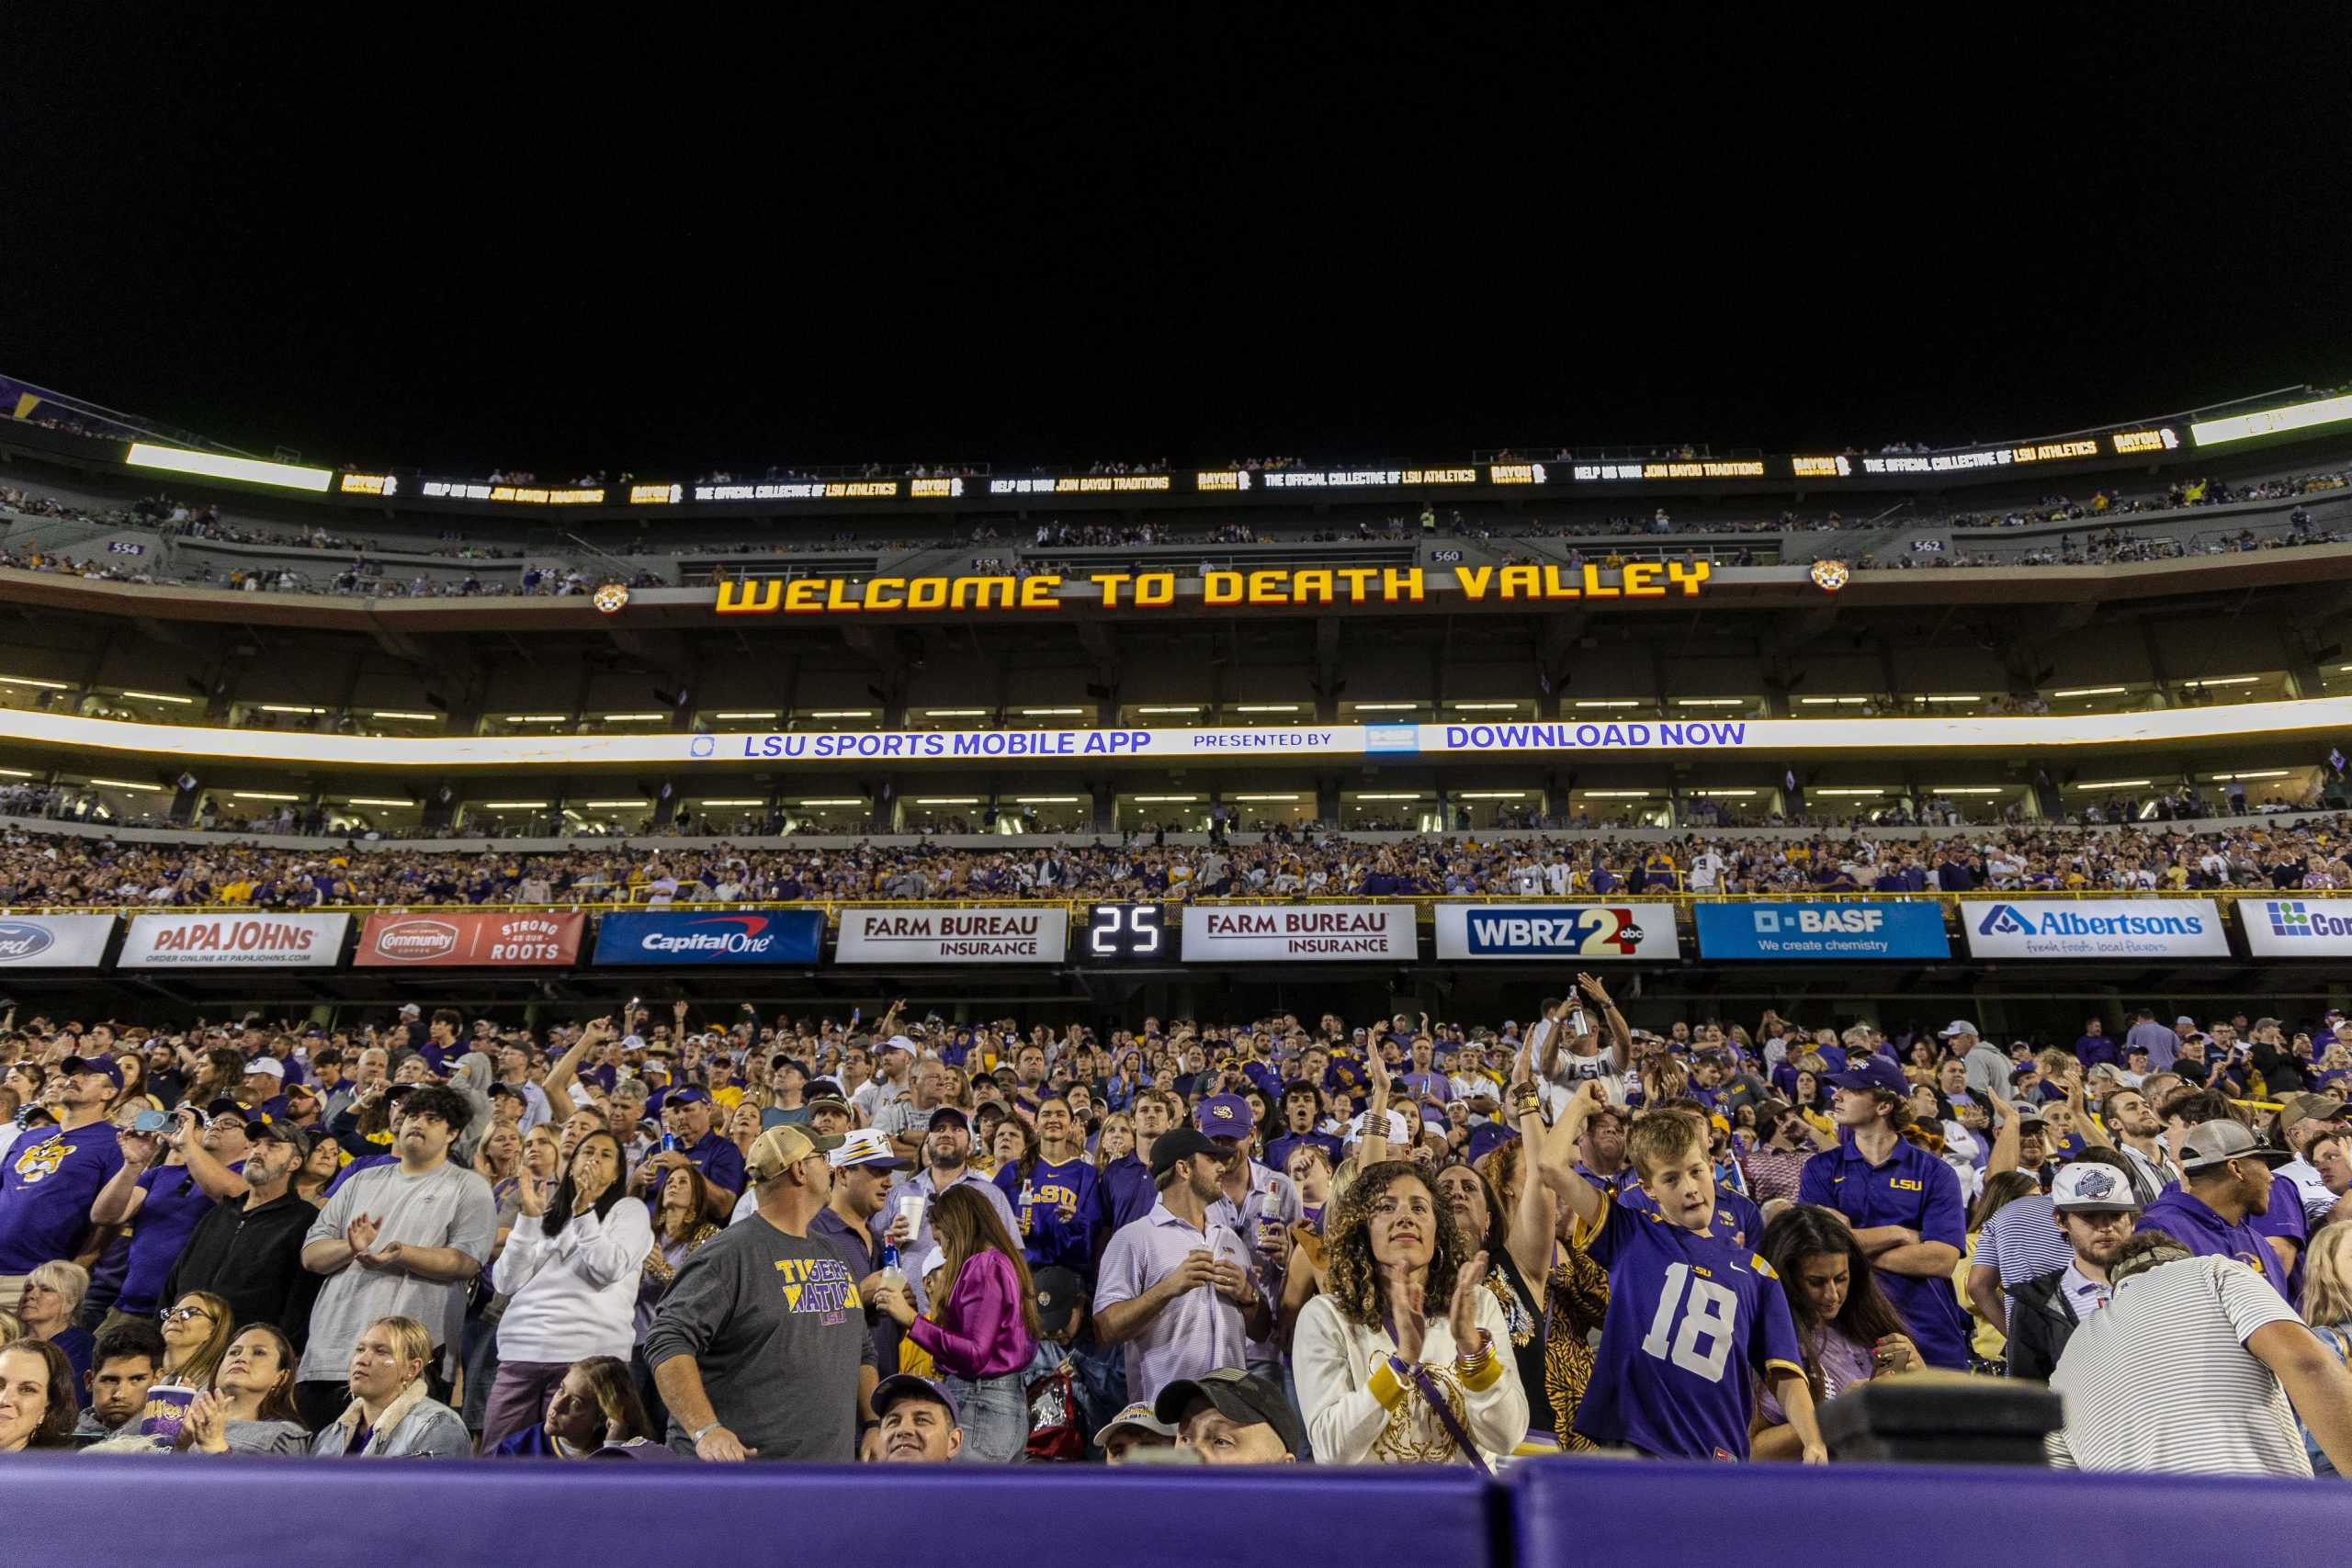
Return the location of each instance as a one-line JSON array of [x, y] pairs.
[[1693, 1319]]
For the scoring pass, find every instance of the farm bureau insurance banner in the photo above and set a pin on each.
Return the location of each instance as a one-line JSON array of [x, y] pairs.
[[234, 941], [1217, 933], [1598, 932], [1022, 936], [690, 936], [482, 940], [2095, 928], [54, 941]]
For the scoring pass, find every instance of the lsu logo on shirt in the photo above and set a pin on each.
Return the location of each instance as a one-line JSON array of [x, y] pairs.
[[1904, 1184], [820, 1287], [42, 1159]]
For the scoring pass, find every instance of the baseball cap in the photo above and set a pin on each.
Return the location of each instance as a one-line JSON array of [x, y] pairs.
[[1487, 1139], [906, 1385], [1140, 1416], [1875, 1073], [868, 1148], [2091, 1188], [778, 1148], [2184, 1021], [2213, 1143], [270, 1066], [1400, 1128], [834, 1100], [1224, 1116], [105, 1066], [689, 1095], [224, 1105], [284, 1132], [1172, 1148], [900, 1043], [410, 1010], [1058, 1291], [1957, 1026], [1244, 1400], [949, 1115], [2309, 1108]]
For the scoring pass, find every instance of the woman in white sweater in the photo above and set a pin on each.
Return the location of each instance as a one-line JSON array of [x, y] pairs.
[[569, 1272], [1404, 1360]]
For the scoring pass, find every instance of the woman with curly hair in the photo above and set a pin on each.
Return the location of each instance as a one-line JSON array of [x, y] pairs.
[[1403, 1359]]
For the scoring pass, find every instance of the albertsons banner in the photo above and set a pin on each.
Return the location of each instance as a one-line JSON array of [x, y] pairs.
[[1595, 931], [2095, 928]]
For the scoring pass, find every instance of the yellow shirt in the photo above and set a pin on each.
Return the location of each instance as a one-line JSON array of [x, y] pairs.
[[1983, 1339]]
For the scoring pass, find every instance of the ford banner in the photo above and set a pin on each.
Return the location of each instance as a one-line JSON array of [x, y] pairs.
[[1019, 934], [2297, 927], [234, 941], [1578, 932], [693, 936], [54, 941], [483, 940], [1821, 929], [2095, 928]]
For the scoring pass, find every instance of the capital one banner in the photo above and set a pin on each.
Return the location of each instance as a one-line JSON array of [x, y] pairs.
[[54, 941], [2297, 927], [437, 939], [1022, 934], [1823, 930], [234, 941], [1596, 931], [689, 936], [1246, 933], [2095, 928]]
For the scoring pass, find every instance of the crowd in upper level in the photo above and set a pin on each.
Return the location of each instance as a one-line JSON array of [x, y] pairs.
[[39, 870]]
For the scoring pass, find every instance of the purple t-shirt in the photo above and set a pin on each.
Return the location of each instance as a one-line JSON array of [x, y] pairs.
[[45, 1187]]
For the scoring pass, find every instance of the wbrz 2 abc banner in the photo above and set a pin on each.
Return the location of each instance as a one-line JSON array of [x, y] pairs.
[[2095, 928], [1020, 935], [234, 941], [1595, 932]]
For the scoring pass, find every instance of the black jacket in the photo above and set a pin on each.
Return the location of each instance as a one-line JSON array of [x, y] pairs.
[[253, 1260], [2040, 1322]]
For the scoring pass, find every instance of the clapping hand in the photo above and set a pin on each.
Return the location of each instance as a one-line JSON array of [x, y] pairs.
[[1407, 1315], [530, 1193], [1461, 1315], [206, 1422], [361, 1233]]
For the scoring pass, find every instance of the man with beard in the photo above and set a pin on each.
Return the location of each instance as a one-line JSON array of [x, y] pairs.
[[2132, 1122], [947, 1159], [2096, 1207], [1176, 1285]]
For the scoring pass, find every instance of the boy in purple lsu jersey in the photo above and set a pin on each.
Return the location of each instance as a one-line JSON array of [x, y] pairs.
[[1694, 1319]]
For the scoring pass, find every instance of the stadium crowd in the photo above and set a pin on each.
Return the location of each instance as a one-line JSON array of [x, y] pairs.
[[1264, 1241], [59, 871]]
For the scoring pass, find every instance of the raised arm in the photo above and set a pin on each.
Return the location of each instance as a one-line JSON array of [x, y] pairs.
[[1535, 1218], [1621, 1038], [558, 1085], [1580, 1198]]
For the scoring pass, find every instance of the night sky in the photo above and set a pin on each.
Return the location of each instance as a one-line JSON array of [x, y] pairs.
[[1347, 232]]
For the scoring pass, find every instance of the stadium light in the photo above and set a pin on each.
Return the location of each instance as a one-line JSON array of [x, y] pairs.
[[762, 712], [1261, 797], [1484, 707], [375, 800], [127, 783], [288, 708], [854, 800], [537, 718], [947, 800], [1165, 799], [2092, 692], [754, 800], [514, 805], [259, 795], [1954, 698], [1831, 702], [1402, 707], [403, 712], [1709, 702], [1490, 794], [2111, 783], [16, 773], [1727, 792], [221, 466], [1173, 708], [611, 805], [1610, 703], [1614, 793], [1407, 794], [1265, 707], [955, 713], [27, 681], [1965, 789], [161, 697], [2257, 773], [2224, 680], [1048, 713], [634, 718], [1046, 799], [1857, 791], [841, 713]]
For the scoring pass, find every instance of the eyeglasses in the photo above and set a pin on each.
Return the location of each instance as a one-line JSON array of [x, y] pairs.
[[181, 1315]]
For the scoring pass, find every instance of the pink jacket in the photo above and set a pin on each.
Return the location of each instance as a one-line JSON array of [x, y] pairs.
[[979, 1333]]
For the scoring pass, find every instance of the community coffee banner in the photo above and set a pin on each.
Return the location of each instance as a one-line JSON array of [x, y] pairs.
[[2297, 927], [234, 941], [2096, 928], [1019, 935], [477, 940], [1295, 932], [1596, 931], [54, 941]]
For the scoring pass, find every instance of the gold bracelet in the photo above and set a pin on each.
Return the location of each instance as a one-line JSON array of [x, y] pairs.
[[1470, 1361]]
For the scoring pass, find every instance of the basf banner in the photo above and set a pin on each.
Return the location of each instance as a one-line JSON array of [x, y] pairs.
[[1594, 931], [1020, 935], [1826, 929], [1247, 934], [53, 941], [2095, 928], [2297, 927], [234, 941], [686, 936], [434, 939]]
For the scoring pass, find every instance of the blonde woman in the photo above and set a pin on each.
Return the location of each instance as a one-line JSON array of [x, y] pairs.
[[391, 1415], [1115, 1140], [2328, 1306], [196, 1333]]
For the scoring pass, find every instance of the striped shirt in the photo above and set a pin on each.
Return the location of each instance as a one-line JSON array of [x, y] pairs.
[[2161, 1380], [2022, 1240]]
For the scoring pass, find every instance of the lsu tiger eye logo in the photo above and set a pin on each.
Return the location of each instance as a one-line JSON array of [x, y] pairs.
[[42, 1159], [613, 598], [1829, 575]]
